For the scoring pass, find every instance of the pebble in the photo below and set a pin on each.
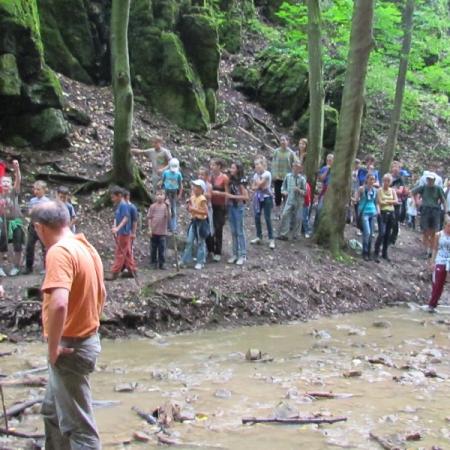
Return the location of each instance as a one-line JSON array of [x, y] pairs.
[[382, 324], [125, 387], [222, 393]]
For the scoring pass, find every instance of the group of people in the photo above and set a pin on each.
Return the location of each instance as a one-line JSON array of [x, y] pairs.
[[13, 229]]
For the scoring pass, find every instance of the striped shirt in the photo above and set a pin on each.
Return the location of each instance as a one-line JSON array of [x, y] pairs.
[[158, 219], [282, 163]]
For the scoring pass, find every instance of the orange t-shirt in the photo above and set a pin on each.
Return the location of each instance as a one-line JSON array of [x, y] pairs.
[[74, 264]]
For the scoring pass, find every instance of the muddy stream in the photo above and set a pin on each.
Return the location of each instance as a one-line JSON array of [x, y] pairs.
[[404, 390]]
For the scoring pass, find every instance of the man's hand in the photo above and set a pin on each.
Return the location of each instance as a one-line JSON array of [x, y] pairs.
[[114, 230], [53, 356], [16, 166]]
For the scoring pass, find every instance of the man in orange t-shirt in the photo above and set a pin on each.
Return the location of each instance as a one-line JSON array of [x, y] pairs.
[[74, 295]]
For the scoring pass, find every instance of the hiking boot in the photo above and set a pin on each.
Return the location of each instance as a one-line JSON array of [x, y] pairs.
[[232, 260], [386, 258], [376, 258], [257, 240], [14, 271], [282, 238], [241, 261], [27, 271], [162, 267], [272, 244]]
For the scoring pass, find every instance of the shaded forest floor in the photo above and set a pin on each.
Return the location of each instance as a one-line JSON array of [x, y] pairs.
[[298, 280]]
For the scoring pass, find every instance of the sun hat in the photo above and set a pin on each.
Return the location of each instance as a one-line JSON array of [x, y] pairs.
[[200, 183], [174, 165]]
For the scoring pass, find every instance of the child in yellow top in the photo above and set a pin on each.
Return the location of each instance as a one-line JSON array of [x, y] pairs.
[[198, 229]]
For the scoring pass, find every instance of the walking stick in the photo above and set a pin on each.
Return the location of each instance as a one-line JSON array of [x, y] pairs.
[[175, 249], [5, 416]]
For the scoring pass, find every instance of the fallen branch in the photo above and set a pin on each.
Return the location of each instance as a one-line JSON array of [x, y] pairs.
[[176, 295], [63, 178], [255, 138], [318, 395], [7, 353], [28, 381], [385, 443], [166, 277], [24, 373], [21, 434], [18, 408], [294, 420], [262, 123]]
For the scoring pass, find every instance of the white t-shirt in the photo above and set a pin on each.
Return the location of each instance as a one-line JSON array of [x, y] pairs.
[[267, 176], [411, 209]]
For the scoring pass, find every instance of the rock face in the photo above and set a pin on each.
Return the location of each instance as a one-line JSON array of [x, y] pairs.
[[173, 44], [76, 38], [279, 82], [30, 93]]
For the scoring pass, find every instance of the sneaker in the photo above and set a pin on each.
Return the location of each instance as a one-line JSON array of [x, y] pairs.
[[198, 266], [217, 258], [241, 261], [162, 267], [14, 271], [232, 260], [358, 233], [272, 244], [307, 236], [257, 240], [28, 271], [2, 273]]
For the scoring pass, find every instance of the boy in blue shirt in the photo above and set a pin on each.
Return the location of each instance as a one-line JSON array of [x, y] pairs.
[[123, 255], [63, 196], [172, 183]]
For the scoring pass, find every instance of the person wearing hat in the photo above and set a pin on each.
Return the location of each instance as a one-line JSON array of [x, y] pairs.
[[172, 181], [430, 209], [198, 229]]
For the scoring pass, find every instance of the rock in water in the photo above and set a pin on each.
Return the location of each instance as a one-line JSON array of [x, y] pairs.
[[253, 354]]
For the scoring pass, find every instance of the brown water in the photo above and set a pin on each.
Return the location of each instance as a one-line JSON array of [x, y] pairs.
[[197, 370]]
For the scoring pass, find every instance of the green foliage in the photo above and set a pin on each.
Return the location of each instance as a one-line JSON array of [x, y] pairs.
[[429, 65]]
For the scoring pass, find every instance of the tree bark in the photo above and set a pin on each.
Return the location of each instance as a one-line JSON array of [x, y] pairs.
[[124, 172], [391, 140], [330, 231], [316, 93]]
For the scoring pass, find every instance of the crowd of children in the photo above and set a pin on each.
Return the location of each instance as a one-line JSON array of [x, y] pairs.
[[219, 193]]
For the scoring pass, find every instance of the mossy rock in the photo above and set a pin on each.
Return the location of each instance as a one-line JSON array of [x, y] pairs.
[[10, 81], [29, 89], [331, 119], [269, 8], [211, 104], [230, 34], [279, 82], [200, 39], [76, 38]]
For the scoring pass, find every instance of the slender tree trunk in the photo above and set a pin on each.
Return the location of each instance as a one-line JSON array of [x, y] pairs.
[[316, 93], [332, 219], [124, 172], [391, 141]]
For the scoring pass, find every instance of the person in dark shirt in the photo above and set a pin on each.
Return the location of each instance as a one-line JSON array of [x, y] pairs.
[[399, 187]]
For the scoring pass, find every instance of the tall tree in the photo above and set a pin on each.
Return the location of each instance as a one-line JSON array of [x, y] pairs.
[[124, 171], [316, 92], [330, 231], [391, 140]]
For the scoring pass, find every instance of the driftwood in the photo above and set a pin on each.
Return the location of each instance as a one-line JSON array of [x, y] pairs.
[[28, 381], [318, 395], [294, 420], [24, 373], [385, 443], [20, 434], [18, 408]]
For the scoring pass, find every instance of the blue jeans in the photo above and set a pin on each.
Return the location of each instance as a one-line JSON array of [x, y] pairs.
[[305, 219], [201, 247], [367, 224], [172, 196], [158, 249], [265, 206], [236, 219]]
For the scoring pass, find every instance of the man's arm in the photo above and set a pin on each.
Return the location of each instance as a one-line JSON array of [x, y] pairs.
[[57, 312]]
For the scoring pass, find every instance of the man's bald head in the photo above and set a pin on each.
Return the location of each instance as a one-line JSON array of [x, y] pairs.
[[52, 214]]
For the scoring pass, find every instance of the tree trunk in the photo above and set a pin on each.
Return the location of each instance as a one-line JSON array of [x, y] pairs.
[[332, 218], [124, 172], [316, 93], [391, 140]]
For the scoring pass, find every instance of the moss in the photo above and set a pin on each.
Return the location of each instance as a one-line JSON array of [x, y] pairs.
[[10, 81], [230, 34], [200, 38], [211, 104], [331, 118]]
